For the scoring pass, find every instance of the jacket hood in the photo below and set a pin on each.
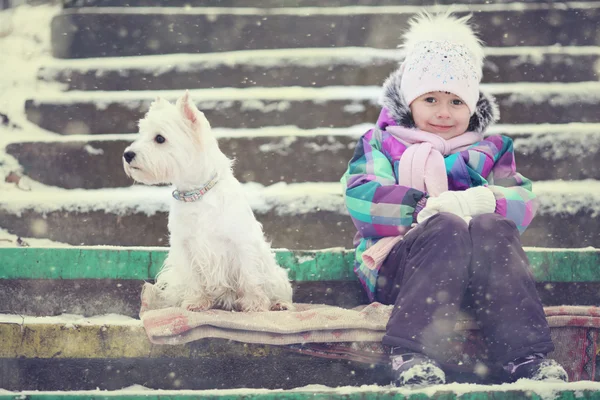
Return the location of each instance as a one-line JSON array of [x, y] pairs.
[[397, 112]]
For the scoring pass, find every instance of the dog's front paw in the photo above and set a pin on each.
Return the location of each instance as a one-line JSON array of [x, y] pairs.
[[253, 303], [282, 306], [197, 304]]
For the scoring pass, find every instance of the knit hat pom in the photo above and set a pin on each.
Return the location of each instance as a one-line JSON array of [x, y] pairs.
[[442, 54]]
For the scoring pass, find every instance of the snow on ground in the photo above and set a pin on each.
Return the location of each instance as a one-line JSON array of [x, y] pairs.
[[285, 198], [10, 240], [71, 320], [313, 57], [220, 97], [214, 12], [24, 48], [546, 390]]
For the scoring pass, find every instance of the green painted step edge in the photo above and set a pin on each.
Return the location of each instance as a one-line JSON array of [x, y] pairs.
[[310, 395], [144, 263], [549, 265]]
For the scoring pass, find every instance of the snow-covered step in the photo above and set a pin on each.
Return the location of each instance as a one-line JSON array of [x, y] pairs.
[[534, 391], [294, 216], [124, 31], [305, 67], [307, 108], [113, 351], [75, 353], [107, 280], [274, 3], [292, 155]]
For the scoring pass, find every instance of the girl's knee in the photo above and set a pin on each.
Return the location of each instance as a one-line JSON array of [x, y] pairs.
[[492, 224], [448, 222]]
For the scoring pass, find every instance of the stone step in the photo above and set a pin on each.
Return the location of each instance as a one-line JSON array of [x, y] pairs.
[[122, 31], [306, 108], [294, 216], [110, 353], [103, 280], [62, 353], [106, 280], [583, 390], [263, 155], [277, 3], [305, 67]]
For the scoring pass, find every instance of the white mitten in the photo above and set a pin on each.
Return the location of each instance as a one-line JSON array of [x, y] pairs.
[[465, 204]]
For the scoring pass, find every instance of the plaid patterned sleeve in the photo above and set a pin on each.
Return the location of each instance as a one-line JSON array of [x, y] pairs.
[[377, 204], [514, 197]]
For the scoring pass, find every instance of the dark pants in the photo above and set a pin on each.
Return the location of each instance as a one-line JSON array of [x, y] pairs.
[[443, 266]]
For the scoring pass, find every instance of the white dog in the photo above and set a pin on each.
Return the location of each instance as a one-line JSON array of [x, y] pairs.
[[218, 256]]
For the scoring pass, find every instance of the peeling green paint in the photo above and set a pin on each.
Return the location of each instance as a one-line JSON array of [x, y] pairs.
[[556, 265], [111, 341]]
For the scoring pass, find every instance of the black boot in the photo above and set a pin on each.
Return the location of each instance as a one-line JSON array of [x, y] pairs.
[[415, 369], [535, 367]]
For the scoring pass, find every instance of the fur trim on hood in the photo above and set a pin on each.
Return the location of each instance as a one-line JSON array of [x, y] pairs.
[[486, 111]]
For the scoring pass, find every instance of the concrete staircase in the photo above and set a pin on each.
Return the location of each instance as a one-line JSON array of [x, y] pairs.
[[288, 86]]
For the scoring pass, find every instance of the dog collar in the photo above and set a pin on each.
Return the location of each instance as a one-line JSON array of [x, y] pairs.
[[196, 194]]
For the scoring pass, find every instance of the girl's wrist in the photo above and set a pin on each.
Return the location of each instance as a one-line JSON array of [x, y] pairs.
[[420, 205]]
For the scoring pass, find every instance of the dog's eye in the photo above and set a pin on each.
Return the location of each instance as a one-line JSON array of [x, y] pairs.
[[159, 139]]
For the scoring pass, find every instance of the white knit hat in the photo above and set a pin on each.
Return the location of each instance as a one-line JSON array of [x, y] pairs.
[[442, 54]]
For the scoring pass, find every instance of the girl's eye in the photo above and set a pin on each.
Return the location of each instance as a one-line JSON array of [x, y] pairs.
[[430, 99], [457, 102], [159, 139]]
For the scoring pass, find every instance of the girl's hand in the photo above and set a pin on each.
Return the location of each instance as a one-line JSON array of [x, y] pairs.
[[465, 204]]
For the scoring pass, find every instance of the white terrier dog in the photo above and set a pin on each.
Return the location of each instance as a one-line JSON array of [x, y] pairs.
[[218, 257]]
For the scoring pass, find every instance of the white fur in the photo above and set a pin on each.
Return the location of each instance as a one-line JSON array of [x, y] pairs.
[[443, 27], [218, 257]]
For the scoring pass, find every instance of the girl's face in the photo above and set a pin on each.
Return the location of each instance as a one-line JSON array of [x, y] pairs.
[[442, 113]]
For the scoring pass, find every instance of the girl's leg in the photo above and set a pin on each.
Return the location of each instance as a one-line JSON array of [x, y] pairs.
[[426, 277], [506, 302]]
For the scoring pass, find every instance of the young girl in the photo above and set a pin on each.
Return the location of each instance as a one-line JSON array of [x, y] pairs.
[[439, 210]]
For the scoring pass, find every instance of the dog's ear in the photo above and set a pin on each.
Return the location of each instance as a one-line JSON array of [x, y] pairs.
[[158, 102], [187, 108]]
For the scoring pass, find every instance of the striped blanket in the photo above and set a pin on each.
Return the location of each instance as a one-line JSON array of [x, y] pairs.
[[355, 334]]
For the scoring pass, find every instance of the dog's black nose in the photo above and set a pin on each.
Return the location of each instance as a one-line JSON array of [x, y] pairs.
[[128, 156]]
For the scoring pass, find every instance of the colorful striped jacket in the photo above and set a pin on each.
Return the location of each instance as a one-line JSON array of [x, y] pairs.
[[380, 207]]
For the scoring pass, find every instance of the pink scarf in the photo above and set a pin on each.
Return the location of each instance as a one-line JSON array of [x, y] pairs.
[[422, 165]]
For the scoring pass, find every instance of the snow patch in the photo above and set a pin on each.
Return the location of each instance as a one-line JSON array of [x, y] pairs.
[[556, 249], [296, 198], [280, 147], [121, 201], [354, 108], [313, 57], [213, 12], [559, 146], [546, 390], [93, 151], [9, 240], [574, 129], [570, 197], [71, 320], [257, 105], [303, 259], [184, 62], [425, 371], [212, 98], [24, 49], [556, 196], [333, 146]]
